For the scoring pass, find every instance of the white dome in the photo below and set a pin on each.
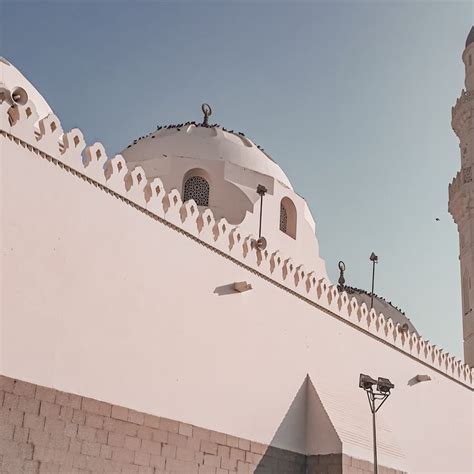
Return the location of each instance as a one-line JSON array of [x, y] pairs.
[[11, 78], [203, 142]]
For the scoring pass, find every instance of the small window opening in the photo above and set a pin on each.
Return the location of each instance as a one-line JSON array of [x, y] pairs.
[[288, 217], [197, 188]]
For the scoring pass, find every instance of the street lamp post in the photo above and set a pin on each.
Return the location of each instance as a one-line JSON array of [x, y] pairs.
[[374, 259], [376, 400]]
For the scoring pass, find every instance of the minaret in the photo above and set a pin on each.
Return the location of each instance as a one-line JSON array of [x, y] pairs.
[[461, 196]]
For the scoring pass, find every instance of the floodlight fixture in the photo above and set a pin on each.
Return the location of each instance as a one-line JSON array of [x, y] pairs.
[[366, 382], [384, 385], [376, 399]]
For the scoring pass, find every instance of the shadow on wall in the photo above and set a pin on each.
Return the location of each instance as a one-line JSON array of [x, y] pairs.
[[305, 431]]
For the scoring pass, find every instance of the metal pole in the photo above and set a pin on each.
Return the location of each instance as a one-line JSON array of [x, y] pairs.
[[375, 441], [260, 221], [373, 280]]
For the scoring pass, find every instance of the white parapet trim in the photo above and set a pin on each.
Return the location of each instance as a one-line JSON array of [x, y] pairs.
[[68, 150]]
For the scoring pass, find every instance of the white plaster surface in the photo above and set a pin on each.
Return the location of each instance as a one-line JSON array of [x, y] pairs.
[[104, 301]]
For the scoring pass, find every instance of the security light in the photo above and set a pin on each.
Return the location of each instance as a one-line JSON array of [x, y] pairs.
[[366, 382], [376, 399], [384, 385]]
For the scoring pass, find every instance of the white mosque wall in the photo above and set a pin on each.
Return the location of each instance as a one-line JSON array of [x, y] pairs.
[[102, 299]]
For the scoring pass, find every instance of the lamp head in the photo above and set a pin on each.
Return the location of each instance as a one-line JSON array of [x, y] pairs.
[[384, 385], [366, 382]]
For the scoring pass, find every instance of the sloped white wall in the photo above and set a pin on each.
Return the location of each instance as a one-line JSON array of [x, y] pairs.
[[102, 300]]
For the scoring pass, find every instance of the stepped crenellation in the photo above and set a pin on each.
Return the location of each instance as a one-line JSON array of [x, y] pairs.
[[68, 150]]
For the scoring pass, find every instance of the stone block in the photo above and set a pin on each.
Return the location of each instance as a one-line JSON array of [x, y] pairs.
[[68, 400], [129, 468], [238, 454], [48, 468], [145, 470], [90, 448], [101, 436], [97, 407], [58, 441], [66, 413], [223, 451], [10, 401], [125, 427], [176, 466], [105, 452], [120, 413], [151, 447], [79, 461], [212, 460], [24, 389], [86, 433], [30, 467], [38, 438], [243, 468], [171, 426], [160, 436], [244, 444], [96, 421], [15, 417], [54, 426], [45, 394], [194, 444], [29, 405], [123, 455], [207, 469], [132, 442], [157, 462], [232, 441], [6, 431], [94, 464], [75, 446], [20, 435], [201, 433], [116, 439], [145, 432], [136, 417], [258, 448], [185, 429], [6, 384], [142, 459], [152, 421], [49, 409], [185, 454], [70, 430], [34, 422], [229, 463], [168, 451], [208, 447], [219, 438], [78, 417], [177, 440], [253, 458]]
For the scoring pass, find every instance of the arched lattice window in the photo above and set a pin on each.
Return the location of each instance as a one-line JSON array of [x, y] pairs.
[[283, 218], [197, 188], [288, 217]]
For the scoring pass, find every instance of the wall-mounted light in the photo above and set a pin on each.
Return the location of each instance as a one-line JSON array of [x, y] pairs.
[[242, 286]]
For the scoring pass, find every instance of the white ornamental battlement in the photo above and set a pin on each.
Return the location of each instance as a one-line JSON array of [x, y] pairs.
[[45, 138]]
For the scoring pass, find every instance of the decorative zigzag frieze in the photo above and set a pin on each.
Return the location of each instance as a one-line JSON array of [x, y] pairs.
[[68, 150]]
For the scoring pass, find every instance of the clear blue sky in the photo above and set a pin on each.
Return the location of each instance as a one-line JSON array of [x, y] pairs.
[[352, 99]]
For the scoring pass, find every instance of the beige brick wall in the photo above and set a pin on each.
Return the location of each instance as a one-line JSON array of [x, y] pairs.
[[43, 430]]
